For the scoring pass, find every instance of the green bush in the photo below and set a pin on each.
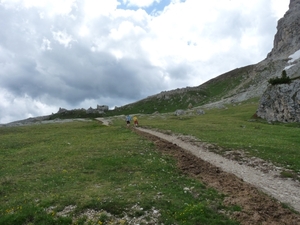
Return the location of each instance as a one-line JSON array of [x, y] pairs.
[[284, 79]]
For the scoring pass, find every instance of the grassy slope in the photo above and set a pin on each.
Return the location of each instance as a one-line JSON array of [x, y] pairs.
[[111, 168], [213, 90], [46, 168], [233, 128]]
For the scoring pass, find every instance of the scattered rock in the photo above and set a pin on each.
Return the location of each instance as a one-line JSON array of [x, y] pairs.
[[179, 112], [200, 112]]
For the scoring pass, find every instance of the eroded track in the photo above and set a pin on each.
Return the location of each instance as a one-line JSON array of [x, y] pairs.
[[259, 194]]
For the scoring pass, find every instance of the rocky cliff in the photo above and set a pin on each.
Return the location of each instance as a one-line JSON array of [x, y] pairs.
[[287, 38], [281, 103], [287, 41]]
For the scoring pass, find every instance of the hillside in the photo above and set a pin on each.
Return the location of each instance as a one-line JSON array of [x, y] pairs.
[[239, 84], [214, 90]]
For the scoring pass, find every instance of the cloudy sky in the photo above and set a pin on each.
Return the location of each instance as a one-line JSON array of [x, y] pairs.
[[80, 53]]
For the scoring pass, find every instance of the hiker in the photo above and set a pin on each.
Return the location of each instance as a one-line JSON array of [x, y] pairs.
[[128, 119], [135, 121]]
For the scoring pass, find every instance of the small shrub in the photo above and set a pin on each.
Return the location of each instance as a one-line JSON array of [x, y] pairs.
[[284, 79]]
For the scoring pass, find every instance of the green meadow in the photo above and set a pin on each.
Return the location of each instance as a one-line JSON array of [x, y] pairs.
[[117, 174], [233, 127], [90, 167]]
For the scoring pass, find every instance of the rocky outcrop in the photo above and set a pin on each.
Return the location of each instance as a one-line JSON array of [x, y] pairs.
[[281, 103], [100, 109], [287, 38]]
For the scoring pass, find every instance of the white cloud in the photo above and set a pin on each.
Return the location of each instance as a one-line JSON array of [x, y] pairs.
[[140, 3], [84, 31], [195, 29], [51, 7], [279, 7], [126, 28], [94, 9], [46, 45], [73, 53], [21, 107], [63, 38]]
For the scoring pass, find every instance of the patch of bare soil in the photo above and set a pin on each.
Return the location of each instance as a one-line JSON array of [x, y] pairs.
[[104, 121], [257, 207]]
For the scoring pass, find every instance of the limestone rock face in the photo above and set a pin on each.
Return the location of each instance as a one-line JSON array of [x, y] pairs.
[[287, 38], [281, 103]]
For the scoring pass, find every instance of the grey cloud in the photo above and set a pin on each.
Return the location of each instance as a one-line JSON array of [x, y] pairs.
[[72, 72], [235, 24], [57, 74], [75, 74], [179, 71]]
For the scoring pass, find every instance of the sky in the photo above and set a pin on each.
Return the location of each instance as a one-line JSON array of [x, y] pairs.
[[83, 53]]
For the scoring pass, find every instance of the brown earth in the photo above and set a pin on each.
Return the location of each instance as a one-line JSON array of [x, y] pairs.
[[257, 207]]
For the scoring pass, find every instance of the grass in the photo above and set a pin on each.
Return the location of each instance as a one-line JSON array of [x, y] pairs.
[[233, 128], [47, 168], [107, 170]]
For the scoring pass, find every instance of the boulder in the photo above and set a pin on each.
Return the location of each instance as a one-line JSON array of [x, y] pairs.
[[200, 112], [281, 103], [179, 112]]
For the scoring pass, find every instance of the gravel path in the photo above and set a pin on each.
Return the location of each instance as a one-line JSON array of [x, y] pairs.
[[104, 121], [285, 190]]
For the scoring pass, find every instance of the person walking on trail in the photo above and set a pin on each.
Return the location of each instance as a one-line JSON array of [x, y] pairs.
[[128, 119], [135, 121]]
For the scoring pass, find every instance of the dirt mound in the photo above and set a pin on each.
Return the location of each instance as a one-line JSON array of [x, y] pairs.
[[257, 207]]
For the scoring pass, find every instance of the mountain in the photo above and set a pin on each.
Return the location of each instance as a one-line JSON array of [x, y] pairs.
[[237, 85]]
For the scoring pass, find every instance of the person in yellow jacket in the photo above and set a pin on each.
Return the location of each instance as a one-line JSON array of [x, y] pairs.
[[135, 121]]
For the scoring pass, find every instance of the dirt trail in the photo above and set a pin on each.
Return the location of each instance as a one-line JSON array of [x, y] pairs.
[[246, 186], [104, 121]]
